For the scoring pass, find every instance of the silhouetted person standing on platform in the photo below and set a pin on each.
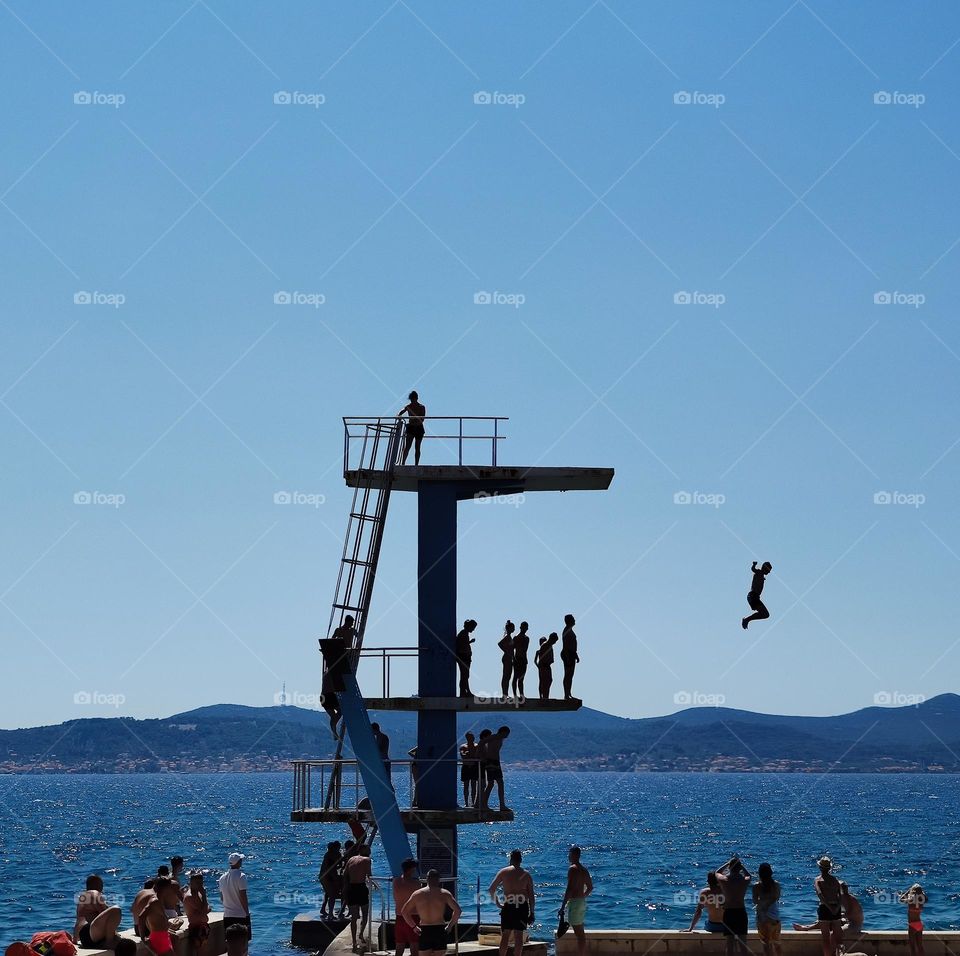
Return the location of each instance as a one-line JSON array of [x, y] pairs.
[[464, 653], [415, 413], [760, 611], [506, 645], [469, 770], [383, 745], [569, 655], [346, 632], [492, 767], [544, 660], [521, 644]]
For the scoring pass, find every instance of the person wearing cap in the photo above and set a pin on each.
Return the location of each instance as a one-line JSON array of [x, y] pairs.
[[233, 893], [430, 905]]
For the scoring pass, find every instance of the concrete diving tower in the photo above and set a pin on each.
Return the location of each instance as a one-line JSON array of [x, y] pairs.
[[439, 487]]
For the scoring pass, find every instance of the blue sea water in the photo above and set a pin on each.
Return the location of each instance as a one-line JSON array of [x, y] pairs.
[[648, 839]]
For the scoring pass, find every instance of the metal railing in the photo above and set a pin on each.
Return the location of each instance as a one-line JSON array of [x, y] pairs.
[[385, 656], [465, 428], [313, 776]]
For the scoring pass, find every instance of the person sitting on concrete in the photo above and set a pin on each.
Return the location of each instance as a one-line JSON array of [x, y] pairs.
[[492, 767], [464, 653], [197, 909], [506, 645], [404, 886], [710, 900], [429, 907], [544, 661], [516, 910], [97, 923], [358, 871], [852, 909], [521, 644], [469, 769]]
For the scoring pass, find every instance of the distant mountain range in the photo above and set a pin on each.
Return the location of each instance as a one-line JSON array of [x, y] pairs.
[[923, 737]]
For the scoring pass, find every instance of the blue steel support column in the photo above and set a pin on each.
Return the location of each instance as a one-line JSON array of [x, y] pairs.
[[437, 742]]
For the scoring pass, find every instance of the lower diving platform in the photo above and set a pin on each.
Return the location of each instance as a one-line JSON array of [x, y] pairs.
[[413, 819], [485, 480]]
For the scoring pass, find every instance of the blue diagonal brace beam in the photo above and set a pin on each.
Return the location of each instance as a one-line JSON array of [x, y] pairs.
[[379, 787]]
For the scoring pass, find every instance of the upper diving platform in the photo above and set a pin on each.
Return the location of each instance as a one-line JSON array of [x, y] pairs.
[[456, 439]]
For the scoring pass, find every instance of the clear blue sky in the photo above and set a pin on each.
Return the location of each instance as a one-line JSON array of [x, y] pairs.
[[598, 199]]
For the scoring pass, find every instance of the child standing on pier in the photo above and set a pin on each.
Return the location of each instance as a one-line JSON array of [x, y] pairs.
[[915, 899]]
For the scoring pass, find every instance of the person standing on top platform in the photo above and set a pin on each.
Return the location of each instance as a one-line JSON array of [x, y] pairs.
[[506, 645], [569, 655], [464, 653], [760, 612], [415, 413], [544, 661], [521, 644]]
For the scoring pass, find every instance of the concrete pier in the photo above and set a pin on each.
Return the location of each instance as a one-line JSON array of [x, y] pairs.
[[214, 946], [619, 942]]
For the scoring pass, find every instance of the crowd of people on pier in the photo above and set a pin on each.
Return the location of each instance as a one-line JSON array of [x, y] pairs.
[[723, 903], [167, 902], [515, 646]]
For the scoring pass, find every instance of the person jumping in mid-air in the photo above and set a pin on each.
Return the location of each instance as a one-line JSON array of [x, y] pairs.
[[415, 412], [753, 595]]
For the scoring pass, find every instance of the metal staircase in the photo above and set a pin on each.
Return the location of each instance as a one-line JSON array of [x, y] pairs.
[[379, 450]]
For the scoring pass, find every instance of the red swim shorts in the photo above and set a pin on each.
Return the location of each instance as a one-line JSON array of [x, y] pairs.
[[404, 933]]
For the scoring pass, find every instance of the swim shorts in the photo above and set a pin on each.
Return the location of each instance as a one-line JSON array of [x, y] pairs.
[[84, 936], [357, 894], [404, 934], [433, 937], [735, 921], [160, 942], [493, 770], [577, 911], [828, 913], [712, 927], [515, 916]]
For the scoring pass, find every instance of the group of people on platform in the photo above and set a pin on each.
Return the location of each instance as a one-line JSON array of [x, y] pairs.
[[839, 912], [161, 906], [427, 913], [515, 645]]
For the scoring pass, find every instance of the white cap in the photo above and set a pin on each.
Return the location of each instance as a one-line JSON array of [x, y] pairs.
[[235, 858]]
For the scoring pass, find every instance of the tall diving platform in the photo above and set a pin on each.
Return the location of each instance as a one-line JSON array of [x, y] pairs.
[[461, 463]]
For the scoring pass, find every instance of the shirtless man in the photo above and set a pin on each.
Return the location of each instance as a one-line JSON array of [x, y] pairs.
[[97, 923], [415, 413], [196, 906], [852, 915], [403, 888], [492, 768], [734, 881], [579, 887], [711, 900], [569, 655], [760, 612], [357, 873], [830, 909], [464, 653], [149, 918], [516, 910], [430, 905]]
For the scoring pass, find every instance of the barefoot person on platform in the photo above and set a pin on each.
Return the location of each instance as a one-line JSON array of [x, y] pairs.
[[579, 887], [569, 655], [429, 905], [760, 612], [735, 881], [829, 908], [415, 413], [516, 910], [403, 888], [464, 653]]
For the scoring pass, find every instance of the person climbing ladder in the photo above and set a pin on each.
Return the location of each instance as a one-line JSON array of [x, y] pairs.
[[759, 609]]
